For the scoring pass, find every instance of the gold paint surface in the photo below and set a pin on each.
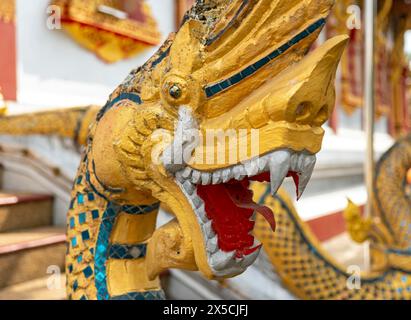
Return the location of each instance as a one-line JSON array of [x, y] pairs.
[[129, 276]]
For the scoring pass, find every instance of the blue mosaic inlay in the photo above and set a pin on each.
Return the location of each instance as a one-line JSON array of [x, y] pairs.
[[82, 218], [101, 251], [214, 89], [85, 235], [90, 196], [123, 96], [73, 242], [95, 214], [88, 272], [148, 295], [140, 209], [80, 198], [123, 251], [71, 204], [79, 179], [103, 248], [79, 258], [405, 252], [161, 57], [72, 223], [75, 285]]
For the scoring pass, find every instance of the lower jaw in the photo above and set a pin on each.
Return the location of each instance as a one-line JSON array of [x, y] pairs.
[[225, 210], [225, 259]]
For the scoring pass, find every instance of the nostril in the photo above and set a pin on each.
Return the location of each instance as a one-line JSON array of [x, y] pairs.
[[322, 116], [303, 111]]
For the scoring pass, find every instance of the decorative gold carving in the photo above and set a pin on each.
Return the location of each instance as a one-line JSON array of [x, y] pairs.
[[358, 228], [233, 65], [111, 38]]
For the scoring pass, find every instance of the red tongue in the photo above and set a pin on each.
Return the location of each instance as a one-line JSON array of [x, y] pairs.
[[243, 198]]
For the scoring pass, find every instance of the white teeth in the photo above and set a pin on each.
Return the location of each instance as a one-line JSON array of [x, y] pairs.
[[180, 178], [208, 230], [279, 164], [227, 175], [249, 259], [189, 187], [256, 243], [197, 202], [201, 213], [307, 168], [294, 162], [217, 177], [206, 178], [212, 245], [251, 168], [239, 173], [262, 163], [254, 216], [187, 173], [195, 178], [221, 260]]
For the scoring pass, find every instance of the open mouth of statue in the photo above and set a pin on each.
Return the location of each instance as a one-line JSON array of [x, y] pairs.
[[224, 206]]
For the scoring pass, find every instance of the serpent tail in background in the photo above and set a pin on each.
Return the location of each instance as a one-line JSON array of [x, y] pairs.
[[310, 272], [70, 123]]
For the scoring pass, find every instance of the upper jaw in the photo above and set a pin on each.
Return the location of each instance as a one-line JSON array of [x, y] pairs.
[[278, 163]]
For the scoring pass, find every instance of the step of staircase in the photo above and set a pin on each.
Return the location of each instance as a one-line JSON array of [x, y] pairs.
[[24, 211], [37, 289], [29, 254]]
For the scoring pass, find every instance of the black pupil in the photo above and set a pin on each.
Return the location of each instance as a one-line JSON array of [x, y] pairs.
[[175, 91]]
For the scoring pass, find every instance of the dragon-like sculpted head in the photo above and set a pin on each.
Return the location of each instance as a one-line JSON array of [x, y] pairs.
[[238, 66]]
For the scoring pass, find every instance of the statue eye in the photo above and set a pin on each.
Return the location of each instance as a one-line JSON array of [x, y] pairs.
[[175, 91]]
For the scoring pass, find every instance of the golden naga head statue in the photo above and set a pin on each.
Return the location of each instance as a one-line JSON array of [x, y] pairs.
[[234, 96]]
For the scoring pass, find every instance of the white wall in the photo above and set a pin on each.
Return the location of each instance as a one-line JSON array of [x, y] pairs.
[[53, 70], [408, 42]]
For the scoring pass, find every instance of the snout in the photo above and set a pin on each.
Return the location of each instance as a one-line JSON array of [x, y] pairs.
[[289, 110]]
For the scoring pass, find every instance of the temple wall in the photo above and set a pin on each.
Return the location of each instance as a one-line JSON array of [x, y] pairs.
[[69, 74]]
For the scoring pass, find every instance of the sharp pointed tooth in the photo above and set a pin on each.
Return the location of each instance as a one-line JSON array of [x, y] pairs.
[[294, 163], [249, 259], [256, 242], [189, 187], [208, 230], [187, 173], [201, 213], [206, 178], [279, 166], [251, 168], [221, 260], [262, 163], [212, 245], [217, 177], [301, 163], [179, 177], [254, 216], [195, 177], [227, 176], [197, 202], [239, 172], [306, 172]]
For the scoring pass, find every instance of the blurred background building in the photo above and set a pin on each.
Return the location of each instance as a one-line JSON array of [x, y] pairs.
[[63, 53]]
